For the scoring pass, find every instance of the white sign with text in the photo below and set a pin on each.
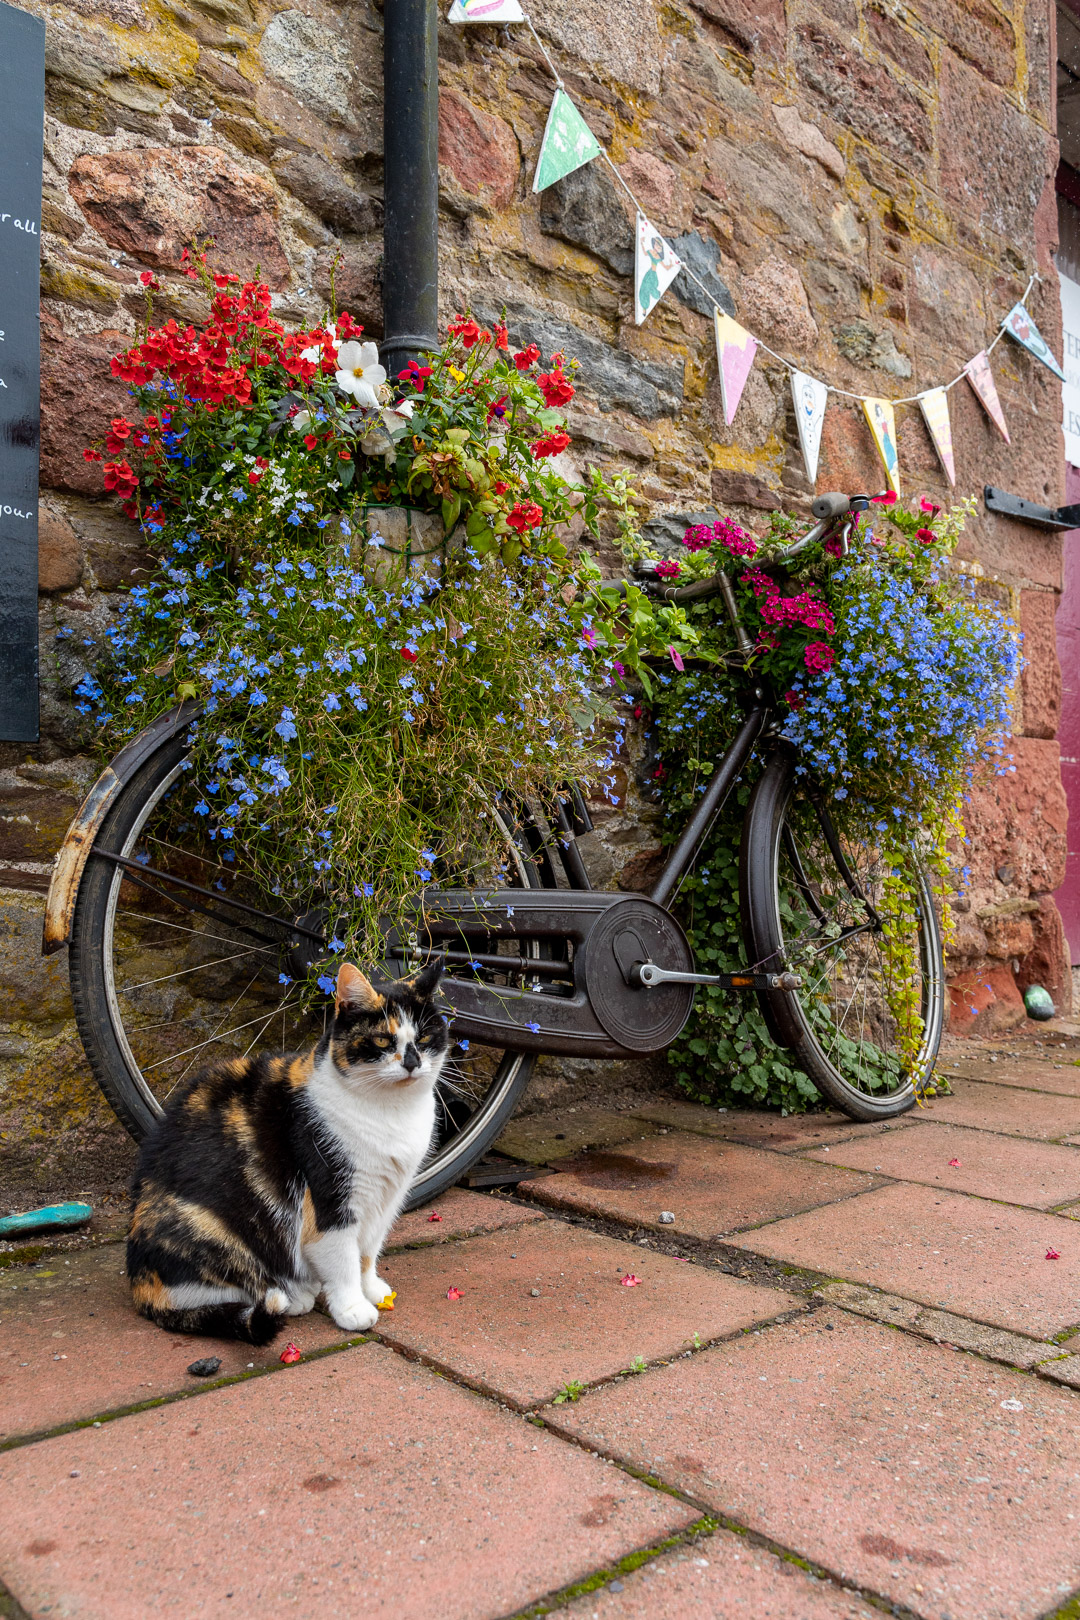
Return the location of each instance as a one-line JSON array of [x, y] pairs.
[[1070, 364]]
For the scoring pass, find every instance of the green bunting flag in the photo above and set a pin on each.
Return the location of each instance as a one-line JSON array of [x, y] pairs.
[[568, 143]]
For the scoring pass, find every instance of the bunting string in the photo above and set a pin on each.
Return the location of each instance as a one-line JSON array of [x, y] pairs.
[[568, 143]]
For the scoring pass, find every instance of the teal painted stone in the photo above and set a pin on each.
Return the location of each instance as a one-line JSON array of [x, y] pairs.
[[53, 1218], [1038, 1003]]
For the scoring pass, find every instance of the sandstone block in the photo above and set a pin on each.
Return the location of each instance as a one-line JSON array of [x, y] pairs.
[[33, 988], [653, 183], [79, 396], [615, 40], [59, 552], [944, 299], [479, 160], [983, 1003], [357, 281], [808, 139], [774, 300], [905, 47], [760, 414], [1041, 678], [325, 191], [994, 161], [585, 210], [976, 31], [869, 99], [742, 489], [33, 822], [753, 28], [151, 203], [1019, 820], [1048, 961], [860, 343], [316, 64]]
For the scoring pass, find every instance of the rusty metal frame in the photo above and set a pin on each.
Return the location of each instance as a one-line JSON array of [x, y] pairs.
[[79, 838]]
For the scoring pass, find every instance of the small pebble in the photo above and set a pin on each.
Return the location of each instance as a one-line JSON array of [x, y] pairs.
[[667, 1217], [74, 1474], [535, 1293], [615, 1586], [205, 1367]]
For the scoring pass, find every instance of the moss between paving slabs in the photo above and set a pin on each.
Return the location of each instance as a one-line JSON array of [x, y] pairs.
[[625, 1566]]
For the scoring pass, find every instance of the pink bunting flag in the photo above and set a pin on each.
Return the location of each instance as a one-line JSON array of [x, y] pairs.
[[935, 408], [981, 378], [735, 351]]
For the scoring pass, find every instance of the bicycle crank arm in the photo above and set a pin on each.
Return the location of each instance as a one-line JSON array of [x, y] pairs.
[[649, 976]]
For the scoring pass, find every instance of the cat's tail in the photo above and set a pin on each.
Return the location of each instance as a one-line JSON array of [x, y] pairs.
[[255, 1322]]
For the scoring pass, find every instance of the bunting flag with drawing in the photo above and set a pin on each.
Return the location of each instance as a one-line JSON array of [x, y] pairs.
[[1019, 325], [882, 421], [568, 143], [656, 265], [935, 408], [735, 351], [811, 398], [981, 378], [485, 11]]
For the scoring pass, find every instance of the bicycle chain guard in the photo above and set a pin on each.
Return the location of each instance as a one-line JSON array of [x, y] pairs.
[[601, 1011]]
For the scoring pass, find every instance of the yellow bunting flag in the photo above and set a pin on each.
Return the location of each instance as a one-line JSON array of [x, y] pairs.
[[935, 409], [882, 422]]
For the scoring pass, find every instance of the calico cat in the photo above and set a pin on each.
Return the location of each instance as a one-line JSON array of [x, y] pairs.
[[272, 1179]]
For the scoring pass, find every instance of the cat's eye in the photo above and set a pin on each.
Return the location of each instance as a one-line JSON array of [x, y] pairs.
[[382, 1040]]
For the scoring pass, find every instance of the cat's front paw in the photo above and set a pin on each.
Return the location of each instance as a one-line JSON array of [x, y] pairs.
[[376, 1288], [352, 1312]]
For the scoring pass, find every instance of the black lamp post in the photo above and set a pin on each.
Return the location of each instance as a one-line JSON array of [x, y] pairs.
[[411, 170]]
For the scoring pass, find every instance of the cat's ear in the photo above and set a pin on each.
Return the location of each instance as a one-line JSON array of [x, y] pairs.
[[355, 993], [425, 983]]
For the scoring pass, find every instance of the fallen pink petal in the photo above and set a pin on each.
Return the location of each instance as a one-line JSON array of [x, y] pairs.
[[630, 1281], [434, 1216], [954, 1164], [453, 1293], [290, 1354], [1052, 1254]]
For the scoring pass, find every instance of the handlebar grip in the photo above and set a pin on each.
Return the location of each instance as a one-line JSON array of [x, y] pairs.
[[831, 505]]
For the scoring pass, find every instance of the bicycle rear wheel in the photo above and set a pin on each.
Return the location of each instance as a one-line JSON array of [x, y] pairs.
[[866, 1023], [178, 960]]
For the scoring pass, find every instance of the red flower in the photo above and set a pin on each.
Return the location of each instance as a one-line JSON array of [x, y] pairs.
[[553, 445], [555, 387], [409, 656], [467, 330], [954, 1164], [434, 1216], [500, 487], [149, 279], [91, 455], [527, 357], [525, 515], [497, 411], [502, 336], [794, 700], [346, 328], [344, 455], [119, 478], [928, 506], [290, 1354], [668, 568], [927, 536], [254, 477], [416, 374], [886, 498], [311, 440], [453, 1293], [1052, 1254], [818, 658]]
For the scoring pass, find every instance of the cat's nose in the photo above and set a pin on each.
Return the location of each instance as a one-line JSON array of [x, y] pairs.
[[411, 1058]]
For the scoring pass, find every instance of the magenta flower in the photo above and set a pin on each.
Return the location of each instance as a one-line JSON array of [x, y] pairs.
[[818, 658]]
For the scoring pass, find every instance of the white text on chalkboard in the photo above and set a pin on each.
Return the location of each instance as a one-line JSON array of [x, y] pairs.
[[29, 225]]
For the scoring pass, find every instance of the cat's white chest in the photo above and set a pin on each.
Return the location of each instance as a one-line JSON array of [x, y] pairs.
[[383, 1138]]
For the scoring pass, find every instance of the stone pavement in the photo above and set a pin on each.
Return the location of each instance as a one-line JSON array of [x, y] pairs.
[[843, 1379]]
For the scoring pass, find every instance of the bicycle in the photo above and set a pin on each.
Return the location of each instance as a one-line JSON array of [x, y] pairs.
[[174, 959]]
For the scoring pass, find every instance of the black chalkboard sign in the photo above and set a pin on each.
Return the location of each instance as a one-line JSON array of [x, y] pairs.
[[22, 117]]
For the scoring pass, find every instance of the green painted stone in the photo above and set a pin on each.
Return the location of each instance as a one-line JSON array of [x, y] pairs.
[[54, 1217], [1038, 1003]]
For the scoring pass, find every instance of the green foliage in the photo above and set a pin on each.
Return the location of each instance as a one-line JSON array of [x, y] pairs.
[[573, 1391]]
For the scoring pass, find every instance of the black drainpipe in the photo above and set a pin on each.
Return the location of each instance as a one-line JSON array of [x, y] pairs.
[[411, 170]]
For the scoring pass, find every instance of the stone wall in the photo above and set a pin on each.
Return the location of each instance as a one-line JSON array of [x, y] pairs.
[[867, 182]]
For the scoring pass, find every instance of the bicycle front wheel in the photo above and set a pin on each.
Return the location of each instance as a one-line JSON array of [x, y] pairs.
[[178, 960], [823, 903]]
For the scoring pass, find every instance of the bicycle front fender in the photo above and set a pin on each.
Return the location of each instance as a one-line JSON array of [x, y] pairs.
[[79, 838]]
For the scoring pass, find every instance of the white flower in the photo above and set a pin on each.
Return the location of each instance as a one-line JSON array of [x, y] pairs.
[[396, 417], [300, 421], [359, 372], [315, 354]]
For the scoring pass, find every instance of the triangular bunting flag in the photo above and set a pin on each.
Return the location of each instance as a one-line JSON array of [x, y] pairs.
[[811, 398], [935, 409], [735, 351], [981, 378], [879, 414], [568, 143], [1019, 325], [655, 267], [485, 11]]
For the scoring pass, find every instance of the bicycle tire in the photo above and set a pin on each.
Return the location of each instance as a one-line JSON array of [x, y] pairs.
[[799, 1020], [99, 1022]]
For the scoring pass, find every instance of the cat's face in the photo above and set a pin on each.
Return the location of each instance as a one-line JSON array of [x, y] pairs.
[[392, 1036]]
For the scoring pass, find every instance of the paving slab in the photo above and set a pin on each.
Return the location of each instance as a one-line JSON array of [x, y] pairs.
[[962, 1254], [944, 1327], [462, 1213], [720, 1577], [755, 1127], [72, 1347], [710, 1189], [1040, 1174], [1024, 1074], [889, 1461], [544, 1306], [1035, 1114], [358, 1484], [542, 1138]]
